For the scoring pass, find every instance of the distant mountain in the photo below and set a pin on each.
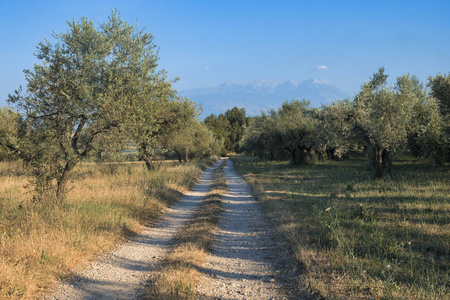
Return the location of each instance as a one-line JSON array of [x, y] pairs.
[[261, 95]]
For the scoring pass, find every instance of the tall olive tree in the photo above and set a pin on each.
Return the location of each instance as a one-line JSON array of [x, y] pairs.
[[87, 84], [257, 138], [295, 127], [384, 115], [192, 140], [434, 134], [440, 90], [176, 133], [157, 110], [336, 132]]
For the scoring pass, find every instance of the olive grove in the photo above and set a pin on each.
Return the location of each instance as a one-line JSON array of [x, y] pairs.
[[380, 121]]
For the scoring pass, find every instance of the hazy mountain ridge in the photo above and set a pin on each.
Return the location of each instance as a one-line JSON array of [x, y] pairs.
[[261, 95]]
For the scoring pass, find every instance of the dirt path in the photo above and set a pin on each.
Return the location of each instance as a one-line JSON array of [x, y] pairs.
[[123, 273], [249, 260]]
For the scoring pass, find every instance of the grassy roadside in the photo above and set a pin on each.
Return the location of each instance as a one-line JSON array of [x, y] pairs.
[[42, 242], [357, 237], [177, 276]]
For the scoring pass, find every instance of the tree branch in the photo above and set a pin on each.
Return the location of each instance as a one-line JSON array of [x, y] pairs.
[[77, 134]]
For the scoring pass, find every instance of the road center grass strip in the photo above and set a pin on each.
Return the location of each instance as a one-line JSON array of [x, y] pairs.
[[178, 275], [357, 237]]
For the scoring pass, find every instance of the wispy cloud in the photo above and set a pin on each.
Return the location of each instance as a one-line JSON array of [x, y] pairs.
[[206, 67], [322, 67]]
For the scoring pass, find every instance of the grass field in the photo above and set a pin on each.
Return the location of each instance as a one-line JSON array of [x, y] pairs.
[[357, 237], [41, 242]]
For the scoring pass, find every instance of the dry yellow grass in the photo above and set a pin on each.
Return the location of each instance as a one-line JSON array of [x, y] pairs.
[[42, 242], [178, 276]]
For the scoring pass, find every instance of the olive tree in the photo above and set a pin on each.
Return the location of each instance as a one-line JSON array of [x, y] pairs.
[[440, 90], [185, 135], [434, 134], [192, 140], [257, 137], [88, 83], [295, 128], [335, 131], [9, 133], [288, 133], [157, 110], [383, 115]]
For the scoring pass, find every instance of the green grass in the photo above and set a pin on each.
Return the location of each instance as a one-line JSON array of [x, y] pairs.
[[360, 237]]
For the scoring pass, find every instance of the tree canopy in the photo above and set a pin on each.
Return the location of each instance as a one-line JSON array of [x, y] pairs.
[[228, 128], [381, 120], [384, 115], [286, 133], [93, 81]]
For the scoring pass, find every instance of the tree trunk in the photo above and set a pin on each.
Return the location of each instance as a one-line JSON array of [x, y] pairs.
[[294, 157], [381, 162], [146, 156], [64, 179], [148, 161]]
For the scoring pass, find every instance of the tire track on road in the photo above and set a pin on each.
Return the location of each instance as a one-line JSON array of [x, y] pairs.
[[249, 259], [123, 273]]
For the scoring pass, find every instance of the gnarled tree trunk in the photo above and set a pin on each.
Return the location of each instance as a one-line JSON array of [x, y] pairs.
[[146, 156], [381, 161], [148, 161], [64, 179]]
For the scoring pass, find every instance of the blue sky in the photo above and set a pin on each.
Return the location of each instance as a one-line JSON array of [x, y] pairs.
[[206, 43]]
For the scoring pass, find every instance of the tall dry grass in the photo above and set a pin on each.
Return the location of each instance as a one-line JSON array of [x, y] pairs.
[[357, 237], [41, 242]]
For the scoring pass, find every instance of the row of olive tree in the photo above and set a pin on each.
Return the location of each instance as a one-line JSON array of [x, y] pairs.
[[288, 133], [381, 120], [95, 84]]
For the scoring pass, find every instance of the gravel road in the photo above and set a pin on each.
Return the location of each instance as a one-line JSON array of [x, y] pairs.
[[123, 273], [249, 260]]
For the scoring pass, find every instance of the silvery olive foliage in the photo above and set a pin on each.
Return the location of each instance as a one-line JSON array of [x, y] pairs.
[[381, 120], [288, 133], [92, 82], [384, 115]]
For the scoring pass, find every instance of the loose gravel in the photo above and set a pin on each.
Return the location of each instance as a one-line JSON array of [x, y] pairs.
[[123, 273], [249, 259]]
